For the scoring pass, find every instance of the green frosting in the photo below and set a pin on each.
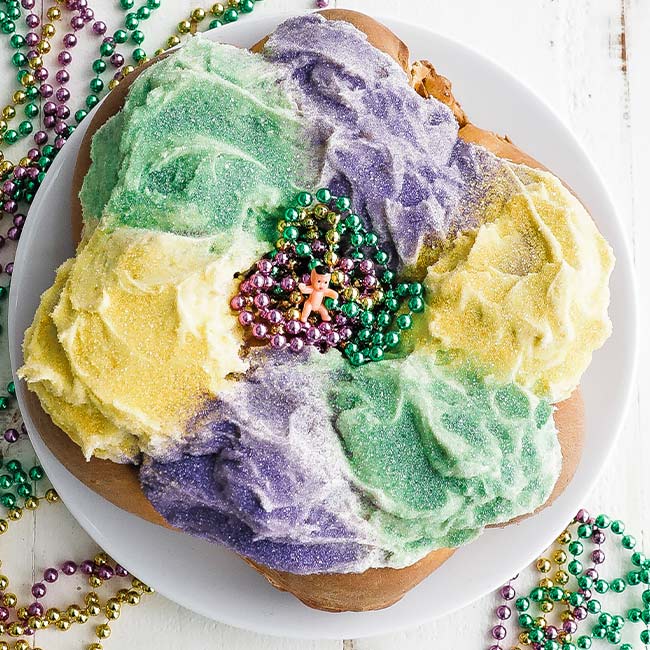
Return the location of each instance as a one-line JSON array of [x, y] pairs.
[[443, 452], [208, 143]]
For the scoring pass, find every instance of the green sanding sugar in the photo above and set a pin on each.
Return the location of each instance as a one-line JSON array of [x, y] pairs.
[[207, 144], [444, 451], [512, 402]]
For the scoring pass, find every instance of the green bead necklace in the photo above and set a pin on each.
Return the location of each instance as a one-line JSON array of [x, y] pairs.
[[29, 69], [371, 309], [572, 589], [16, 482], [107, 49]]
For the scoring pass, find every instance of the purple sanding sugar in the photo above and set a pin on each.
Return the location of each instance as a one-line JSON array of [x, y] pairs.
[[189, 496], [395, 153], [264, 473]]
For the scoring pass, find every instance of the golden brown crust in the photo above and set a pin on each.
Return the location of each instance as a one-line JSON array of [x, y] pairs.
[[355, 592], [570, 422], [498, 145], [375, 588], [428, 83]]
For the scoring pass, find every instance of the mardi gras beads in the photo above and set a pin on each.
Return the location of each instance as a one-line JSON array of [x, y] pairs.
[[108, 48], [18, 620], [327, 284], [21, 180], [11, 434], [17, 483], [504, 611], [219, 13], [573, 590], [25, 620]]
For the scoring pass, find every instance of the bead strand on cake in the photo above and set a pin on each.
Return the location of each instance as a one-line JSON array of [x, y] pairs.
[[372, 311]]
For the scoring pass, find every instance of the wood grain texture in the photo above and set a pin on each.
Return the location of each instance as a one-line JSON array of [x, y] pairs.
[[570, 53]]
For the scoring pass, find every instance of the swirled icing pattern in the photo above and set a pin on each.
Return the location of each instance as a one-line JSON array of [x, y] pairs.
[[398, 156], [133, 333], [302, 462], [525, 294], [209, 143], [314, 466]]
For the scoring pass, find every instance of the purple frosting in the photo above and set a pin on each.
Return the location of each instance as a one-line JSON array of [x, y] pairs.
[[193, 495], [265, 474], [395, 153]]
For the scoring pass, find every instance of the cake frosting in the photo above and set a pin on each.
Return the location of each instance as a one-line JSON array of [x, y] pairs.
[[526, 294], [400, 158], [132, 334], [302, 461], [315, 466], [207, 143]]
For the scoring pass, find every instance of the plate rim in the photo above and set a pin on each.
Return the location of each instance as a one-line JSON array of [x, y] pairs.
[[624, 258]]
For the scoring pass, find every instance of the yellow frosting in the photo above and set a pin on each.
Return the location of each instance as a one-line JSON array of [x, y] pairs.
[[526, 294], [135, 331]]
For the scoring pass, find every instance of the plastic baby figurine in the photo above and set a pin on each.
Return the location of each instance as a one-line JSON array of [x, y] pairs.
[[317, 292]]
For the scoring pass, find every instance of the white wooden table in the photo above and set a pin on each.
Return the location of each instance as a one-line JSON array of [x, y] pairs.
[[591, 60]]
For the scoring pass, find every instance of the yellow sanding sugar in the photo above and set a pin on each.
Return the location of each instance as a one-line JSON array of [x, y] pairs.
[[526, 294], [49, 375], [136, 329]]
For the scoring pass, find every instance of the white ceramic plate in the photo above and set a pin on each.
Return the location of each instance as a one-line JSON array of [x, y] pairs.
[[214, 582]]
